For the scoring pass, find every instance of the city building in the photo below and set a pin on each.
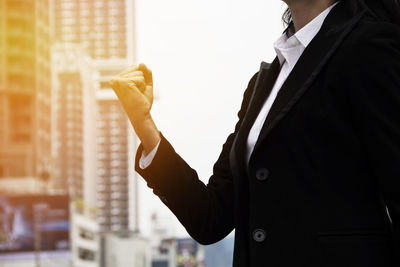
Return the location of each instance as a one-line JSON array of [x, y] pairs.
[[85, 240], [170, 251], [115, 160], [164, 255], [179, 252], [74, 114], [25, 94], [58, 259], [23, 185], [103, 27], [220, 254], [34, 230], [162, 227], [106, 30], [121, 250]]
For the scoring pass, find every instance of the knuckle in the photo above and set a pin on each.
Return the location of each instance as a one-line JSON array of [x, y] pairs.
[[139, 79]]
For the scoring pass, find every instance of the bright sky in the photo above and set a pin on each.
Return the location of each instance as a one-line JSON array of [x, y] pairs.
[[202, 53]]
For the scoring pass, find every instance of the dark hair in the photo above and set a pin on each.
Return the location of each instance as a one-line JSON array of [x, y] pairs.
[[286, 17], [388, 10]]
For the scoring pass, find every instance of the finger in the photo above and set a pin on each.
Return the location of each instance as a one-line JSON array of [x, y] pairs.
[[128, 96], [127, 90], [120, 81], [116, 79], [148, 75], [137, 82], [130, 69], [133, 73]]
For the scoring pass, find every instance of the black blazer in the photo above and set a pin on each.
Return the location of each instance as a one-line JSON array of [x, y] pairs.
[[325, 172]]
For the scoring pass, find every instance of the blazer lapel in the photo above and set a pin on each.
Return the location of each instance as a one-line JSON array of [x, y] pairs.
[[336, 27], [262, 88], [264, 84]]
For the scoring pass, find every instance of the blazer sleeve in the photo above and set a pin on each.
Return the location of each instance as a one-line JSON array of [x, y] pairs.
[[206, 211], [374, 89]]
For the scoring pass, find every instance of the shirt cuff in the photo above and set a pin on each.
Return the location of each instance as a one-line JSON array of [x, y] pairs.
[[145, 161]]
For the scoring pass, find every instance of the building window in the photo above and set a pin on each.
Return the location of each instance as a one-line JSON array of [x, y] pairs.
[[115, 179], [85, 234], [21, 138], [86, 254]]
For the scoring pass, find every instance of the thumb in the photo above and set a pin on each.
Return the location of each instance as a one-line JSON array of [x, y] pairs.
[[148, 75]]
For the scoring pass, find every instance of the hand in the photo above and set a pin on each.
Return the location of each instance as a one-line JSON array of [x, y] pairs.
[[134, 88]]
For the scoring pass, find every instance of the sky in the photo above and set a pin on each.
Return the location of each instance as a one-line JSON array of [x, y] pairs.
[[202, 54]]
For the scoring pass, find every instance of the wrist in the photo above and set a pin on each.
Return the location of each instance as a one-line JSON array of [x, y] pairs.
[[148, 133], [142, 122]]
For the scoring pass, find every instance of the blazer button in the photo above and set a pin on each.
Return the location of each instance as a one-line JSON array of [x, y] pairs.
[[259, 235], [262, 174]]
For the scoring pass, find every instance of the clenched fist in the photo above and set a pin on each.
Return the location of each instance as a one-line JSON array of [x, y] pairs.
[[134, 88]]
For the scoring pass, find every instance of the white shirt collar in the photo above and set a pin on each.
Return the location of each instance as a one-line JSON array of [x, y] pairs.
[[290, 48]]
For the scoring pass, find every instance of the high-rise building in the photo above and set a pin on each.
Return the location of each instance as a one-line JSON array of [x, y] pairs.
[[75, 82], [105, 28], [115, 143], [25, 95]]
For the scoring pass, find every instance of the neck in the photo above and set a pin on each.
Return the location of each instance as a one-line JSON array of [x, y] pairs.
[[303, 11]]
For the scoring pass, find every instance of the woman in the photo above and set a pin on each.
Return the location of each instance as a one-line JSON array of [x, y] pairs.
[[311, 175]]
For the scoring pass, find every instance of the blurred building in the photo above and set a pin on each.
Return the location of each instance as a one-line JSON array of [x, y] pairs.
[[85, 240], [164, 255], [25, 95], [179, 252], [220, 254], [23, 185], [163, 227], [115, 160], [105, 29], [169, 251], [58, 259], [122, 250], [34, 230], [74, 116]]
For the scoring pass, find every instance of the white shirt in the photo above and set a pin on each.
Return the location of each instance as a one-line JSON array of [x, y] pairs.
[[288, 51]]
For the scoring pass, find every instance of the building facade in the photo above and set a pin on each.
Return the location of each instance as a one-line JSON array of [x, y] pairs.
[[125, 250], [74, 115], [105, 29], [114, 166], [85, 240], [25, 94]]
